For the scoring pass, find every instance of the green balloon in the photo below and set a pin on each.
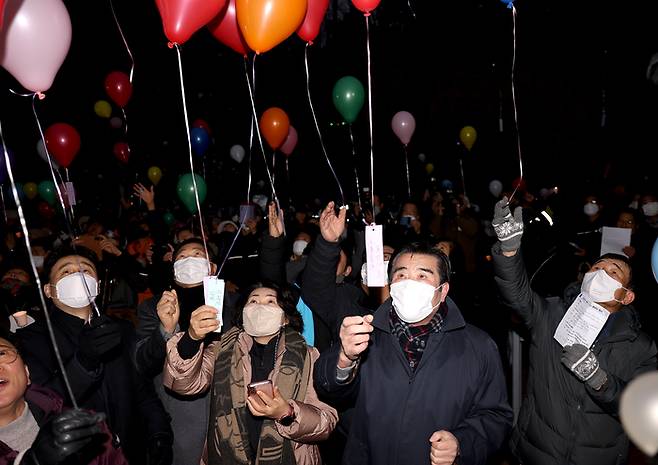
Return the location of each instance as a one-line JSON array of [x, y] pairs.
[[168, 218], [185, 191], [349, 96], [47, 191]]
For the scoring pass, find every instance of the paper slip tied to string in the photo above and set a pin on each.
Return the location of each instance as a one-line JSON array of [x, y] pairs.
[[582, 323], [375, 268], [213, 292], [613, 240]]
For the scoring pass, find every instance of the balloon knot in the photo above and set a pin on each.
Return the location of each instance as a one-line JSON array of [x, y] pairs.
[[310, 42], [366, 14], [41, 95], [171, 44]]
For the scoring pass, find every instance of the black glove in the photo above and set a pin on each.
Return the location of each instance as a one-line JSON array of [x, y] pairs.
[[67, 434], [97, 342], [509, 229], [160, 450], [584, 364]]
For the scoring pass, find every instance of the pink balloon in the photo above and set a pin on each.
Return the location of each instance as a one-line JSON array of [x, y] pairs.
[[34, 41], [225, 29], [290, 143], [404, 125]]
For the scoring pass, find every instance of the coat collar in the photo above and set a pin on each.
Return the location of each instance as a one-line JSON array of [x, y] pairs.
[[453, 320]]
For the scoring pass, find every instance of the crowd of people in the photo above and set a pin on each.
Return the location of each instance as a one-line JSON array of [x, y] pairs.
[[301, 361]]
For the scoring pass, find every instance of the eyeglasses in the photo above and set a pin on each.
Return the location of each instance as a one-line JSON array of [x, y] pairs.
[[8, 355]]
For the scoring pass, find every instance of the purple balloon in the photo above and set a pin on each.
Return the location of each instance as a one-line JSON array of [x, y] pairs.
[[404, 125], [290, 142]]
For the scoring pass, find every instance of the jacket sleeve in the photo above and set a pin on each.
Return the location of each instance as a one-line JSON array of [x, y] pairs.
[[191, 376], [608, 396], [272, 259], [319, 281], [151, 345], [489, 420], [314, 420], [326, 382], [514, 287]]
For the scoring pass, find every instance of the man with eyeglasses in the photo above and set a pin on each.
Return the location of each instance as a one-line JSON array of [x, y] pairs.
[[35, 430]]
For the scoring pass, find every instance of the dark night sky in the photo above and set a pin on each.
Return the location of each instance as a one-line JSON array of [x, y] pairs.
[[450, 66]]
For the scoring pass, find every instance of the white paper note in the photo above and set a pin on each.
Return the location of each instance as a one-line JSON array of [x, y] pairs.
[[213, 292], [582, 323], [69, 192], [613, 240], [375, 257]]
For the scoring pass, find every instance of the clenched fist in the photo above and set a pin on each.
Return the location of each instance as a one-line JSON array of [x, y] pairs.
[[202, 322], [168, 311], [354, 338], [445, 448]]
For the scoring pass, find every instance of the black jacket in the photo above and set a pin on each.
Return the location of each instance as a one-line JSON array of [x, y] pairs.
[[563, 420], [458, 386], [134, 412]]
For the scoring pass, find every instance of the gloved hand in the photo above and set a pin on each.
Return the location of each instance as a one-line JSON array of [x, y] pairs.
[[160, 450], [584, 364], [64, 436], [97, 341], [509, 229]]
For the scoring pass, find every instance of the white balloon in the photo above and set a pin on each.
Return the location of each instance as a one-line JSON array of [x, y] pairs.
[[116, 122], [638, 410], [421, 157], [495, 188], [237, 153], [41, 150]]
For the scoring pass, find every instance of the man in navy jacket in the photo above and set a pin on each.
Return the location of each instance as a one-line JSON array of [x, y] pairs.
[[429, 388]]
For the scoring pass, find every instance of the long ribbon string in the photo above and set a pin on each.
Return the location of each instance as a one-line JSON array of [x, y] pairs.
[[356, 167], [125, 42], [28, 244], [516, 119], [4, 207], [189, 150], [317, 126], [406, 163], [372, 151], [251, 129], [461, 169]]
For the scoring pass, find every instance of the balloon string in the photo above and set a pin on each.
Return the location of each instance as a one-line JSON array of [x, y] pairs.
[[2, 198], [251, 131], [189, 150], [461, 169], [289, 185], [28, 245], [356, 168], [260, 140], [274, 166], [411, 8], [516, 120], [125, 122], [406, 162], [125, 42], [372, 153], [317, 126]]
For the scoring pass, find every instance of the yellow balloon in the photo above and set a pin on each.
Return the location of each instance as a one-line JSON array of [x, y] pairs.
[[155, 174], [267, 23], [103, 109], [429, 168], [468, 135], [31, 190]]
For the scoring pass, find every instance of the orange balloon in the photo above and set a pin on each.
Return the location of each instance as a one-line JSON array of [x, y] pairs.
[[267, 23], [274, 125]]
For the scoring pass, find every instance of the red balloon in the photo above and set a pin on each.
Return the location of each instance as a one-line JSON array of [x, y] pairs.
[[182, 18], [46, 210], [315, 12], [119, 88], [63, 142], [519, 183], [122, 152], [225, 29], [201, 123], [2, 12], [366, 5]]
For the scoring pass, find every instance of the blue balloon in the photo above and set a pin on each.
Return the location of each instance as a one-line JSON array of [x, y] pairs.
[[654, 260], [446, 184], [200, 141], [509, 3]]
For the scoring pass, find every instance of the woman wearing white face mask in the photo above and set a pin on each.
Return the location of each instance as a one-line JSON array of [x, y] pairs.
[[266, 344]]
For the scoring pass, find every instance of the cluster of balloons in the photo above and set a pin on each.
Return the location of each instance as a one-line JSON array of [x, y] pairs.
[[468, 136], [45, 189], [35, 41], [119, 88], [63, 143], [243, 25], [186, 192], [403, 125], [349, 96]]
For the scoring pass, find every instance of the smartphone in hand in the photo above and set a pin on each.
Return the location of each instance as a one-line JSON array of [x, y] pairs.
[[262, 386]]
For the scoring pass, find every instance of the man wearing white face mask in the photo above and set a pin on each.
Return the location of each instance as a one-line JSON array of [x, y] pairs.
[[97, 352], [571, 411], [429, 388]]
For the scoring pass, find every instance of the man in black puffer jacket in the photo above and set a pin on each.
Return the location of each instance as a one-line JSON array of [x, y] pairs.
[[571, 412]]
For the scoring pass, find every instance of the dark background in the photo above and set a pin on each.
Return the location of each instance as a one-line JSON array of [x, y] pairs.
[[450, 66]]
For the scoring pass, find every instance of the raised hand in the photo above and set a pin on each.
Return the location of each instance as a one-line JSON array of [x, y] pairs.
[[168, 311], [275, 220], [354, 338], [203, 321], [147, 195], [332, 226]]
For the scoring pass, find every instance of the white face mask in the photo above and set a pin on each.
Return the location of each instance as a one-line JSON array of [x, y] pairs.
[[412, 300], [191, 270], [600, 286], [633, 205], [591, 209], [262, 320], [650, 209], [298, 247], [364, 272], [72, 291]]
